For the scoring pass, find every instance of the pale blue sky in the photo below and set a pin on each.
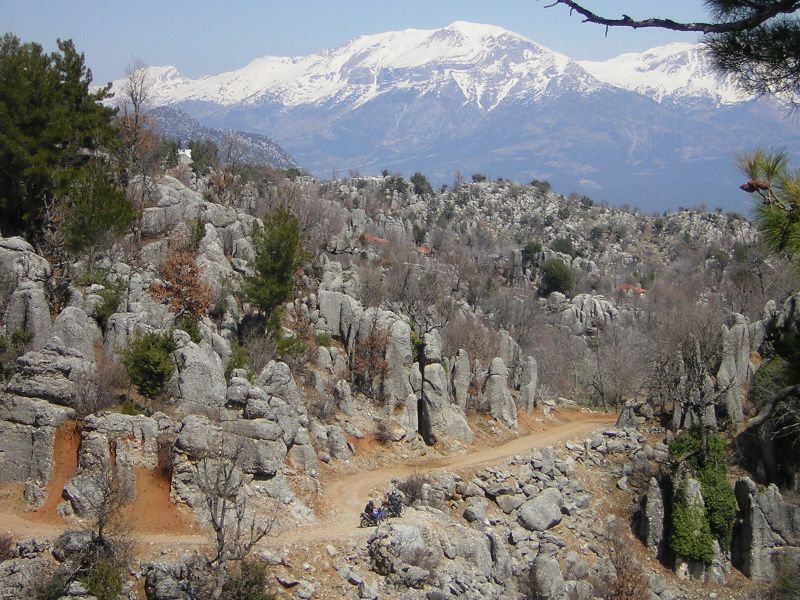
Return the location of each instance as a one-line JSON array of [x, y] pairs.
[[202, 37]]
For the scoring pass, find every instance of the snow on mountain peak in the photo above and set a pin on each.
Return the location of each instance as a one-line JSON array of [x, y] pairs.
[[484, 63], [668, 72]]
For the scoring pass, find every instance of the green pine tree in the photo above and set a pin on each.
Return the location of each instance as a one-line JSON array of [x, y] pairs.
[[278, 254], [50, 125]]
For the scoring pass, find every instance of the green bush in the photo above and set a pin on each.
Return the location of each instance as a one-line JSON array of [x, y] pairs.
[[20, 338], [103, 580], [530, 251], [421, 184], [111, 295], [712, 472], [324, 339], [52, 588], [563, 245], [148, 362], [556, 277], [720, 502], [289, 346], [691, 537], [190, 326], [129, 408], [236, 360]]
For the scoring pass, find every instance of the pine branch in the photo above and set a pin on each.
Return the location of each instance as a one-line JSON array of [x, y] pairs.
[[758, 15]]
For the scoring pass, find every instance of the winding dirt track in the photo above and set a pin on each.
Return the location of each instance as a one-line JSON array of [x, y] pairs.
[[347, 495]]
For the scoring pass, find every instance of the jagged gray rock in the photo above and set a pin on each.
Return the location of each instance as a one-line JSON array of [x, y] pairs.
[[497, 396], [460, 378], [528, 382], [651, 524], [768, 538], [547, 579], [543, 511]]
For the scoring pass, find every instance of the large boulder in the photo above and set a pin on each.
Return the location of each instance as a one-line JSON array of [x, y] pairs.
[[546, 578], [55, 373], [528, 383], [768, 537], [444, 420], [496, 395], [651, 518], [28, 310], [542, 512], [201, 374], [78, 331], [460, 379], [21, 577], [23, 275]]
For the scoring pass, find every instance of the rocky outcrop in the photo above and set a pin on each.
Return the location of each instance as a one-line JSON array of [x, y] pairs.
[[23, 276], [651, 518], [767, 537], [200, 375], [27, 437], [528, 383], [496, 397], [585, 313]]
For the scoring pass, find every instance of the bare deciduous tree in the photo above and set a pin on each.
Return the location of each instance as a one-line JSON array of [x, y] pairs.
[[236, 530]]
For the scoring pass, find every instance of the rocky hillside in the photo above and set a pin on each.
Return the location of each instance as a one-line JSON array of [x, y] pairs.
[[422, 325]]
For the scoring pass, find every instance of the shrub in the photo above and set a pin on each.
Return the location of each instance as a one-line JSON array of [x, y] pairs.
[[478, 177], [421, 184], [530, 251], [53, 587], [383, 434], [248, 582], [148, 361], [556, 277], [712, 472], [128, 407], [111, 295], [236, 360], [180, 285], [563, 245], [691, 536], [166, 445], [369, 367], [21, 338], [541, 186], [190, 325], [289, 347], [629, 581], [323, 339], [412, 488], [103, 580]]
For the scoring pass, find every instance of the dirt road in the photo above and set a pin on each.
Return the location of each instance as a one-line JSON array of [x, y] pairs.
[[347, 494]]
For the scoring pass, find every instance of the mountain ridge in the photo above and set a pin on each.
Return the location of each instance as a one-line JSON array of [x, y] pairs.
[[479, 99]]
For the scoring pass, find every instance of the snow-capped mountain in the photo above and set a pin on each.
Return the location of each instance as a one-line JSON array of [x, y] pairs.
[[673, 72], [487, 63], [656, 129]]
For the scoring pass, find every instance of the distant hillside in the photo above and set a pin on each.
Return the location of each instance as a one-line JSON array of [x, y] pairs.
[[657, 130], [257, 149]]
